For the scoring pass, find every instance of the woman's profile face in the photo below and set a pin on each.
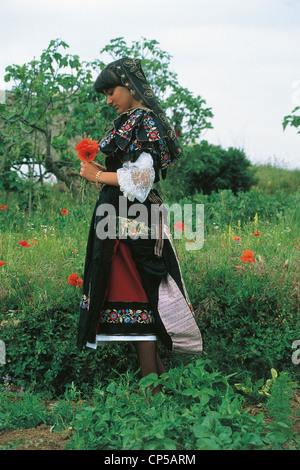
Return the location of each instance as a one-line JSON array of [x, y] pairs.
[[120, 98]]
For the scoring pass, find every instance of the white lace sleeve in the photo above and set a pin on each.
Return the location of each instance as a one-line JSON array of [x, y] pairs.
[[136, 178]]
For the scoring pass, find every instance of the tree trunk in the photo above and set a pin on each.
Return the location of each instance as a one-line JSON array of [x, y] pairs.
[[63, 172], [4, 158]]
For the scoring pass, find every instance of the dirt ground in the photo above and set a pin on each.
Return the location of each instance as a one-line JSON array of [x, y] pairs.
[[41, 437]]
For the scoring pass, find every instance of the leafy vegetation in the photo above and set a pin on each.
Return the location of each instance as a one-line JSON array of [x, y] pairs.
[[52, 103], [292, 119], [198, 410], [208, 168]]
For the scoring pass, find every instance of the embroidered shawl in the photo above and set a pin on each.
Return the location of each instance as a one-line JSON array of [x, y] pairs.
[[128, 72]]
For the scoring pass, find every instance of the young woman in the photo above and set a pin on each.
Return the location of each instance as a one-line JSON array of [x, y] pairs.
[[133, 289]]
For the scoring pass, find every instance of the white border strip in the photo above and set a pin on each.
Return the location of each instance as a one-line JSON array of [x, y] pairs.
[[104, 340]]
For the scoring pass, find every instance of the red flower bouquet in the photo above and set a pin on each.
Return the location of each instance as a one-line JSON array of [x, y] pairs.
[[87, 150]]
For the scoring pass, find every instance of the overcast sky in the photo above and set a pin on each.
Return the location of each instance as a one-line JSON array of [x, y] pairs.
[[241, 56]]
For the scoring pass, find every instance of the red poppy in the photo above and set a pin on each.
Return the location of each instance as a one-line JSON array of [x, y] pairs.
[[64, 211], [238, 267], [256, 234], [248, 256], [179, 226], [223, 244], [236, 239], [3, 208], [2, 263], [87, 150], [74, 280], [24, 243]]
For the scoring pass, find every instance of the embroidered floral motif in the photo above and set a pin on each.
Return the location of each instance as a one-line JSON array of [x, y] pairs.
[[107, 140], [85, 300], [129, 124], [132, 228], [141, 132], [126, 316]]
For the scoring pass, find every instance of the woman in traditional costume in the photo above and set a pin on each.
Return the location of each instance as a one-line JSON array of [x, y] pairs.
[[133, 289]]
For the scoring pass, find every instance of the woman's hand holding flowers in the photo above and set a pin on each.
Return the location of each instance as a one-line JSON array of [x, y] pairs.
[[87, 150], [98, 166], [89, 170]]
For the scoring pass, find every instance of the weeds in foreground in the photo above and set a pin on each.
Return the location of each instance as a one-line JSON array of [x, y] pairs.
[[197, 410]]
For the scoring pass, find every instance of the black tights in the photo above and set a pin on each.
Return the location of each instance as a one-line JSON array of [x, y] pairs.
[[149, 359]]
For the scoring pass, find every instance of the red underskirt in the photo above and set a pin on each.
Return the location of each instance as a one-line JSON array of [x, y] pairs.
[[125, 283], [126, 310]]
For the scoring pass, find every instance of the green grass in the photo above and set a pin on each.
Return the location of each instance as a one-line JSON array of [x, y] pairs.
[[271, 178], [249, 310]]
